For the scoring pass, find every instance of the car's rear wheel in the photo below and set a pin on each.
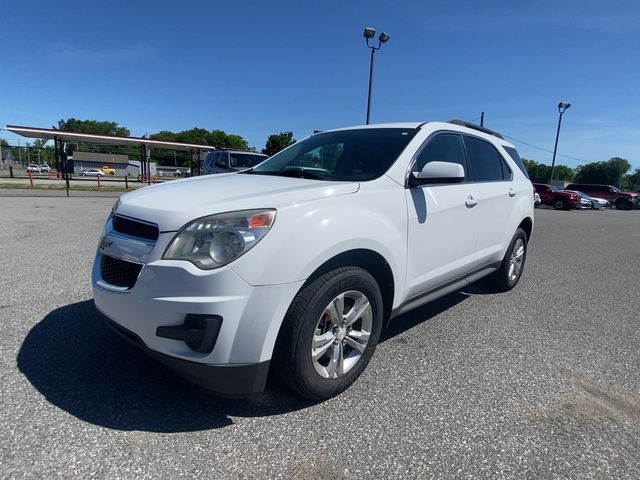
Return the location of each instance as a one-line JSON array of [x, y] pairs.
[[329, 333], [559, 204], [512, 266]]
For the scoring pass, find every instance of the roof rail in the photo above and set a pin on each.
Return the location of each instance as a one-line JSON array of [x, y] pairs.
[[464, 123]]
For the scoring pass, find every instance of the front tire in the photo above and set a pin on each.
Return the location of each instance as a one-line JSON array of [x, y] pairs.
[[623, 204], [330, 333], [510, 271], [559, 204]]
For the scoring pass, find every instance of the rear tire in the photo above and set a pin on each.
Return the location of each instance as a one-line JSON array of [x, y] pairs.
[[512, 266], [320, 350]]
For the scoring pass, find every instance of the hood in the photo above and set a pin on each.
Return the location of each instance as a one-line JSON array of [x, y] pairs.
[[174, 203]]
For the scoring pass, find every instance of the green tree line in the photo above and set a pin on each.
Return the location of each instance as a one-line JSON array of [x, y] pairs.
[[614, 171], [199, 136]]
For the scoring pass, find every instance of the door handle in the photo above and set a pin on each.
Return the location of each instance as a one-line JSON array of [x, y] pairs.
[[512, 192], [471, 201]]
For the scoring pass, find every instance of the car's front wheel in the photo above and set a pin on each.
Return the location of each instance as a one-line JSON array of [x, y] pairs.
[[559, 204], [330, 333], [623, 204]]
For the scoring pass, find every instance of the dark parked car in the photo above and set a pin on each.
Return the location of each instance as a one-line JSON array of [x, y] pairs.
[[621, 200], [558, 199], [225, 161]]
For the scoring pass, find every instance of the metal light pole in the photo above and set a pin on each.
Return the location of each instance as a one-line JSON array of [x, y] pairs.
[[369, 33], [562, 106]]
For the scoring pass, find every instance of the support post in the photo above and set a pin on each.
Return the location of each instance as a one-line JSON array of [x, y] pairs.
[[555, 148], [373, 51]]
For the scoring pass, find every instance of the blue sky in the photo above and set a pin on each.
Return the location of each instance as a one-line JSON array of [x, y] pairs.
[[255, 68]]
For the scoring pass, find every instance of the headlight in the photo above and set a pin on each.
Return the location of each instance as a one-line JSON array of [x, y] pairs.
[[213, 241], [115, 207]]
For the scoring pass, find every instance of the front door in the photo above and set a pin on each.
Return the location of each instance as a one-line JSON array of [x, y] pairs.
[[442, 221]]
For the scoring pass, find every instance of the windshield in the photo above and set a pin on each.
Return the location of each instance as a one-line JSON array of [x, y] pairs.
[[344, 155], [615, 189], [554, 188]]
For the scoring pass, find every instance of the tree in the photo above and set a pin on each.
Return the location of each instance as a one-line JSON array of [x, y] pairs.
[[278, 142], [220, 139], [93, 126], [164, 135], [540, 173], [632, 181], [236, 141], [609, 172], [195, 135]]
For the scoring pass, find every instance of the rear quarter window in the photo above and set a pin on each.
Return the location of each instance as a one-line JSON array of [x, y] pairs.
[[515, 156]]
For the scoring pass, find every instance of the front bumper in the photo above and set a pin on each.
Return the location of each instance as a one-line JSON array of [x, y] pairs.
[[224, 380], [166, 292]]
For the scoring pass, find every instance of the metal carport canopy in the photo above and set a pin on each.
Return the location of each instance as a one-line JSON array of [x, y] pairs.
[[52, 133]]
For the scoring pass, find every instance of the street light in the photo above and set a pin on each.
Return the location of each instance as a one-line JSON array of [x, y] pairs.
[[369, 33], [562, 107]]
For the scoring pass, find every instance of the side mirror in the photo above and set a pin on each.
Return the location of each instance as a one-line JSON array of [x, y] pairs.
[[221, 164], [438, 172]]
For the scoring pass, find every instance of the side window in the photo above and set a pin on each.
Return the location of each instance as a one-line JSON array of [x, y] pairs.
[[507, 174], [208, 160], [486, 161], [222, 161], [214, 158], [446, 147]]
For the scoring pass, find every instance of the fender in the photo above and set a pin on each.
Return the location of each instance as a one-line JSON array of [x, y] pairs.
[[301, 241]]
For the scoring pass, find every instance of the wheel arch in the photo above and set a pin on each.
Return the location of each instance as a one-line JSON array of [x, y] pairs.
[[527, 225], [374, 263]]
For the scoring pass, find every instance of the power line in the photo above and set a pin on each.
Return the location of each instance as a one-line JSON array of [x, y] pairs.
[[545, 150]]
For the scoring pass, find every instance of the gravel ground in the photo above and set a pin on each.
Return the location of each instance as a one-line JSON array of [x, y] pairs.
[[540, 382]]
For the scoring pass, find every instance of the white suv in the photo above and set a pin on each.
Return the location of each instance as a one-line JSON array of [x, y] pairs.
[[296, 264]]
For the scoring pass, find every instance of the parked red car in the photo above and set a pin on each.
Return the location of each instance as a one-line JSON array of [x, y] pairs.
[[558, 199], [621, 200]]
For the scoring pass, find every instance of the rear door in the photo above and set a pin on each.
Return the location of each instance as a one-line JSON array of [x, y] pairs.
[[442, 220], [497, 195]]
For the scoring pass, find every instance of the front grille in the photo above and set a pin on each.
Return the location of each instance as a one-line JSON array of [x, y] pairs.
[[135, 228], [119, 272]]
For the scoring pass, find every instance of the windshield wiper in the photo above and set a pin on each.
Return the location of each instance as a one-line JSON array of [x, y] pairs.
[[294, 172]]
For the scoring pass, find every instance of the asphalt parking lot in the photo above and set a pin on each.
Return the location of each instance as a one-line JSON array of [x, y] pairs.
[[540, 382]]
